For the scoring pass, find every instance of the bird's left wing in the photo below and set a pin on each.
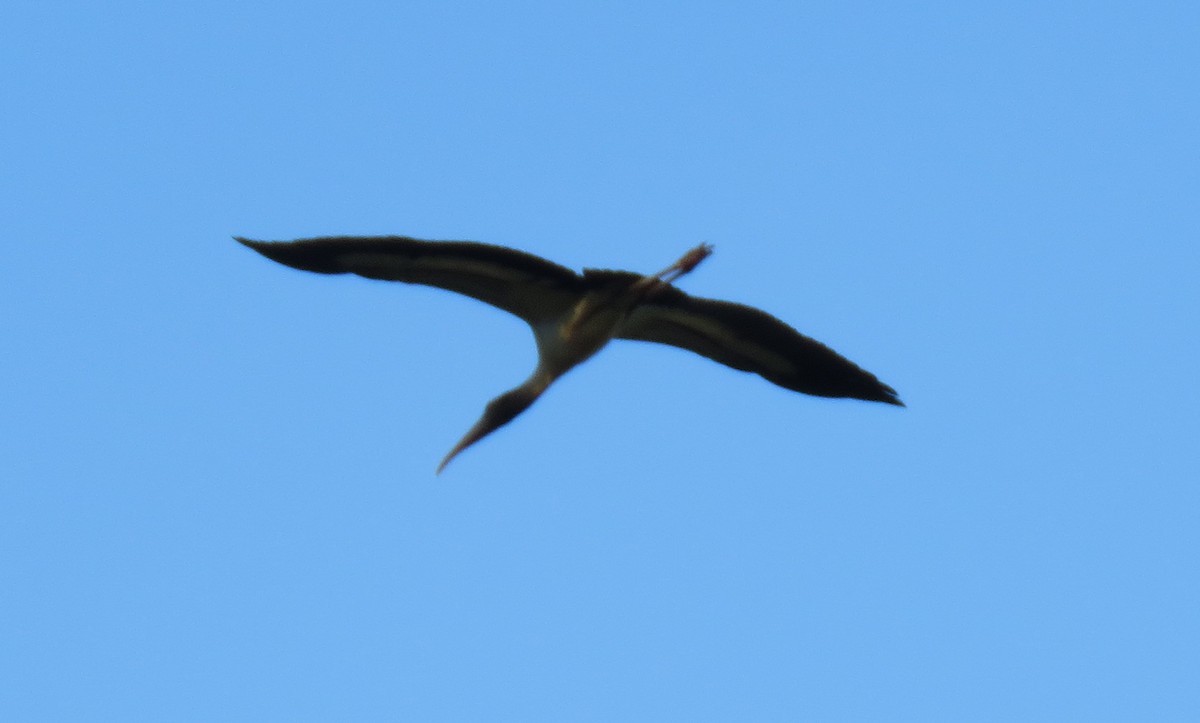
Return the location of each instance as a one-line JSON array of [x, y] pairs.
[[751, 340], [520, 283]]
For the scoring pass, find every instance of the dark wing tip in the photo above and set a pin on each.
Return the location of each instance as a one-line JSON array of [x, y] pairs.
[[260, 246], [888, 396], [316, 255], [848, 380]]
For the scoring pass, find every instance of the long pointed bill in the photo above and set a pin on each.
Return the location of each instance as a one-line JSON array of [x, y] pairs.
[[481, 429], [499, 412]]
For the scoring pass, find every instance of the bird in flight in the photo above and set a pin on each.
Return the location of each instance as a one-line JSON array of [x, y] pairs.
[[574, 315]]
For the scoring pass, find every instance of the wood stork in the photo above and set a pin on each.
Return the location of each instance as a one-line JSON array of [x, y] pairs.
[[574, 315]]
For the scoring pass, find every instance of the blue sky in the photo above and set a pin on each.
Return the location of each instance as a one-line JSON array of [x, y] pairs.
[[219, 500]]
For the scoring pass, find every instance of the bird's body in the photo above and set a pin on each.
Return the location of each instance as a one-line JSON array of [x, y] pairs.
[[573, 316]]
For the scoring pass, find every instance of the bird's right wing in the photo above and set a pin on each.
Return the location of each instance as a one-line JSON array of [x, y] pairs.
[[752, 340], [520, 283]]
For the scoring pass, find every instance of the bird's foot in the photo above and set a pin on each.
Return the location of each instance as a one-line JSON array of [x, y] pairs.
[[689, 261], [684, 265]]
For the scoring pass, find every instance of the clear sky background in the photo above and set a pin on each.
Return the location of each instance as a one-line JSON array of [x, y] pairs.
[[218, 499]]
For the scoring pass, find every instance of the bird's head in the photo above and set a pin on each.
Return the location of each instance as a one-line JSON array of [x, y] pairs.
[[499, 412]]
